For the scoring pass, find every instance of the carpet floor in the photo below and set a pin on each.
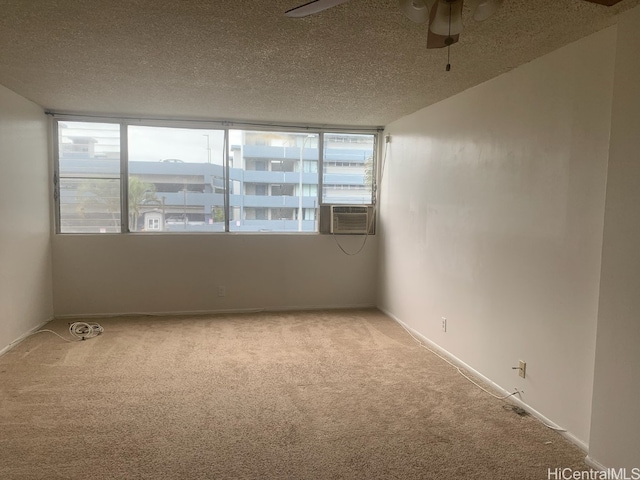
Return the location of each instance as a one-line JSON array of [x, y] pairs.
[[297, 395]]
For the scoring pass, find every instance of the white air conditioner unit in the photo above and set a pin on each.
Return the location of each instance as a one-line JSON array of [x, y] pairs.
[[349, 219]]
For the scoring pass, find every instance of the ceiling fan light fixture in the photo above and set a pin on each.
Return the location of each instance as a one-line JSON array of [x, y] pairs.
[[417, 11], [440, 25], [486, 8], [312, 7]]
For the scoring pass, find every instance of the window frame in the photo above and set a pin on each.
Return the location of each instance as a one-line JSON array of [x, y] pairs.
[[224, 126], [57, 177]]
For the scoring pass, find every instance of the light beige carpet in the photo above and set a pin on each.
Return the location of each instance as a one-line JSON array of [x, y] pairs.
[[296, 395]]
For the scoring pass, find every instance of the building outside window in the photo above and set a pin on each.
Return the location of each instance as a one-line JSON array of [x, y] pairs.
[[178, 179]]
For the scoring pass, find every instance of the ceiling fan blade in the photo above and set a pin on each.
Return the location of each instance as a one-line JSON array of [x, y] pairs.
[[447, 18], [486, 8], [312, 7], [417, 11]]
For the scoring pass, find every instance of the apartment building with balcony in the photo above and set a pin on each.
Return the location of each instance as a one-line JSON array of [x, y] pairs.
[[276, 180]]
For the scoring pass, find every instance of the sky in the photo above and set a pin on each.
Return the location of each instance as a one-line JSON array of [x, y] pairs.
[[153, 144]]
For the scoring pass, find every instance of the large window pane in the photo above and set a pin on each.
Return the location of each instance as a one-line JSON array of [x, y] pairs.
[[348, 168], [273, 181], [176, 179], [89, 177]]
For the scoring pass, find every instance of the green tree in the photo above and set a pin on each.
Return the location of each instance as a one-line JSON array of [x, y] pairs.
[[218, 214], [97, 197], [369, 174], [140, 193]]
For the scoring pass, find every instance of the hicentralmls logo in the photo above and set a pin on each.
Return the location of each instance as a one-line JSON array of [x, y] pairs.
[[608, 474]]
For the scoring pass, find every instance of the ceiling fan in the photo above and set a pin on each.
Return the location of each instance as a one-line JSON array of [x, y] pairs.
[[444, 16]]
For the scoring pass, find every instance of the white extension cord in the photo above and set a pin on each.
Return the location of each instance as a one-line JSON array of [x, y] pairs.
[[80, 330], [83, 330]]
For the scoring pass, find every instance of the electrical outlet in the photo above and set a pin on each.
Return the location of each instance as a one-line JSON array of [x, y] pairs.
[[522, 368], [443, 324], [222, 291]]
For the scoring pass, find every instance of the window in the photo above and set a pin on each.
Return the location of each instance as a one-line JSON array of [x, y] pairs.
[[289, 160], [348, 168], [114, 177], [153, 224], [179, 173], [88, 177]]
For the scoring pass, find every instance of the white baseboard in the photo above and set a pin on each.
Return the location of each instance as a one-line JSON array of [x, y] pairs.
[[593, 464], [23, 336], [309, 308], [490, 384]]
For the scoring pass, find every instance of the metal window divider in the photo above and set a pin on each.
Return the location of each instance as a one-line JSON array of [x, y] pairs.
[[225, 175], [56, 174], [320, 177], [124, 178]]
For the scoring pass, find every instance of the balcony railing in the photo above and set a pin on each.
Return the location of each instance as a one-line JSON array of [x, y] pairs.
[[271, 226], [266, 201], [293, 153]]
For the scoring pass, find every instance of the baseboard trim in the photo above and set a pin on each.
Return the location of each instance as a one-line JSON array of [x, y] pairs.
[[309, 308], [23, 336], [490, 384], [594, 464]]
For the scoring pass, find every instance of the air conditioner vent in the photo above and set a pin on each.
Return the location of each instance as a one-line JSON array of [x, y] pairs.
[[349, 219]]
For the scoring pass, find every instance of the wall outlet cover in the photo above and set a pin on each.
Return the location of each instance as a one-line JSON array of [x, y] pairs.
[[522, 368]]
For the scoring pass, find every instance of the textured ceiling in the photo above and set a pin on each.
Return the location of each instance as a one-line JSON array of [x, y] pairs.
[[361, 63]]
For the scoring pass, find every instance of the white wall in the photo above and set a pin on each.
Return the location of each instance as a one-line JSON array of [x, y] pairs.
[[25, 251], [615, 431], [492, 216], [171, 273]]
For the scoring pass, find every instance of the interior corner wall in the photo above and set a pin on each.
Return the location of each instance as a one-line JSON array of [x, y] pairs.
[[25, 247], [615, 427], [169, 273], [492, 216]]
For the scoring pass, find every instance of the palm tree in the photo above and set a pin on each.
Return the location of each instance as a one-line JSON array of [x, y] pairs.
[[140, 193], [97, 196]]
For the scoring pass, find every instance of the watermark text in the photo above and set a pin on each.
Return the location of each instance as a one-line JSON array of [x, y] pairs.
[[607, 474]]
